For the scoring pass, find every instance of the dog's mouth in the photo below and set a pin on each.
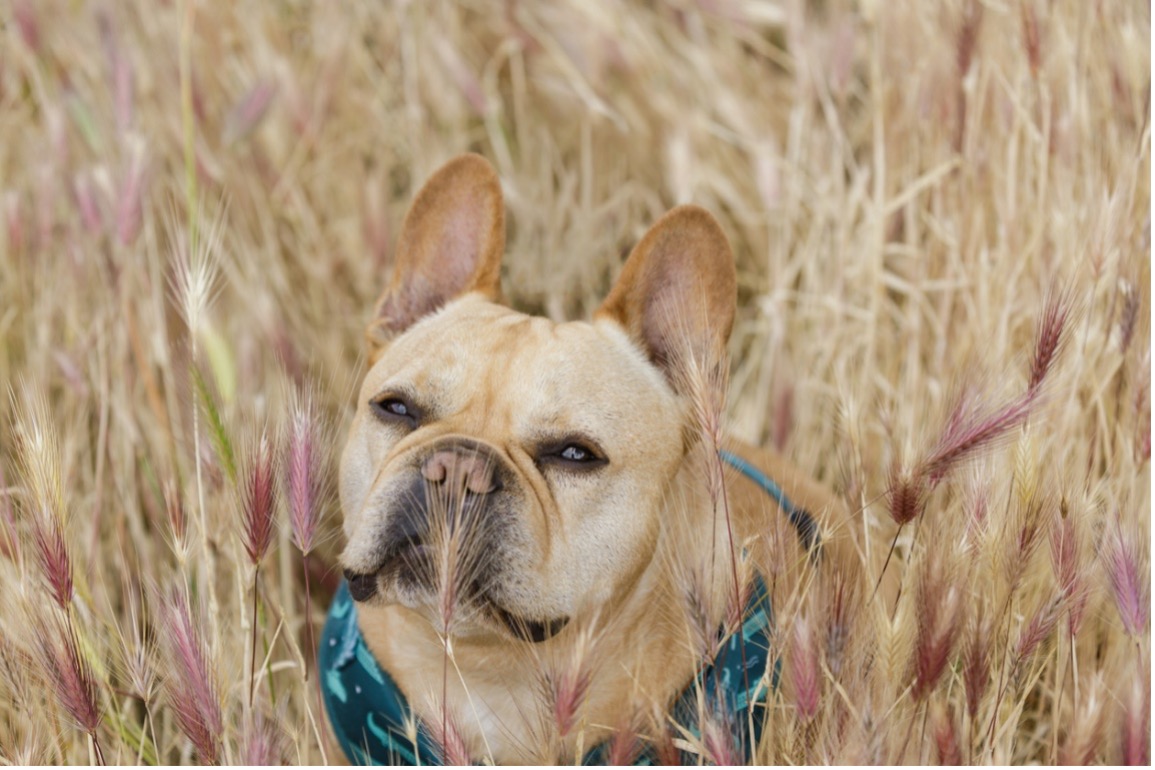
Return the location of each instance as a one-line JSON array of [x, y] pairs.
[[536, 631], [410, 564], [407, 563]]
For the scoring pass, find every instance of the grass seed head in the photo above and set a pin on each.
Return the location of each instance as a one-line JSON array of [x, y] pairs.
[[447, 736], [1128, 573], [1069, 566], [976, 663], [842, 602], [458, 540], [1083, 742], [304, 472], [1050, 337], [24, 14], [719, 746], [1032, 44], [67, 671], [177, 520], [39, 453], [136, 647], [1136, 728], [976, 503], [624, 747], [971, 433], [569, 687], [9, 543], [700, 613], [130, 203], [258, 500], [804, 673], [190, 685], [1023, 534], [52, 558], [940, 605], [946, 736], [263, 741], [87, 206], [1128, 314], [970, 25], [906, 494], [120, 71], [1039, 628], [246, 115], [193, 286]]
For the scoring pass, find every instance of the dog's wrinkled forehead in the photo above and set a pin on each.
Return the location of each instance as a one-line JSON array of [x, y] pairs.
[[524, 371]]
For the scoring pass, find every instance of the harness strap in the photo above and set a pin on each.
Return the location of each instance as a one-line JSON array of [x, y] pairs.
[[800, 518]]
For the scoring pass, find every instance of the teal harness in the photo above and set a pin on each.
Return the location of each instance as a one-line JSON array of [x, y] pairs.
[[374, 725]]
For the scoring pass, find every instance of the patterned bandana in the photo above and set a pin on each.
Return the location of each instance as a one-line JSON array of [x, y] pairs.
[[374, 725]]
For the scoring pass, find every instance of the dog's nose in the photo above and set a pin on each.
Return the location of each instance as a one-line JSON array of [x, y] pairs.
[[462, 468]]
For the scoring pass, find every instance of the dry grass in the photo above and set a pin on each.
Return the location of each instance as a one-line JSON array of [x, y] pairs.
[[198, 204]]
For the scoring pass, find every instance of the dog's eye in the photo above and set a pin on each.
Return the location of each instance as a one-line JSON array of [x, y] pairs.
[[572, 455], [576, 454], [394, 409]]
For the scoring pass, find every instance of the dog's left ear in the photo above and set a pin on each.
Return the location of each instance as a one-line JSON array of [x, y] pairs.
[[677, 291], [451, 243]]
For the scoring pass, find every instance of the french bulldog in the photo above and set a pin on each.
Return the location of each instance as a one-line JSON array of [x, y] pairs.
[[521, 496]]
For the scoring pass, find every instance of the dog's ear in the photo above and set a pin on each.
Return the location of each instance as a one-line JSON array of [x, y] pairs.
[[677, 291], [451, 243]]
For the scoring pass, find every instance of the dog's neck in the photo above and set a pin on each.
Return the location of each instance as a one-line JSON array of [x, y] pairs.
[[647, 636]]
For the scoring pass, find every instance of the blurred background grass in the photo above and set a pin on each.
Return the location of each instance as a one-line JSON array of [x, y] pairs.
[[903, 183]]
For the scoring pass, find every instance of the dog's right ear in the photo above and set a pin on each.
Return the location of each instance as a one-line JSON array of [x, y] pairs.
[[451, 243]]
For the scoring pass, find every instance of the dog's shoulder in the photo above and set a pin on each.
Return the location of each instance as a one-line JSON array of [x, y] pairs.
[[805, 514]]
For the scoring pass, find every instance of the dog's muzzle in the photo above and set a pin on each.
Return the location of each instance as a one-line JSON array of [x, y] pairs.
[[451, 507], [448, 530]]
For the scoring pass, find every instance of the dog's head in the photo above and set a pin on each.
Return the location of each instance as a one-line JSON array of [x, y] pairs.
[[503, 472]]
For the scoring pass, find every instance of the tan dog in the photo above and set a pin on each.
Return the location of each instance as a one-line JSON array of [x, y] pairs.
[[537, 491]]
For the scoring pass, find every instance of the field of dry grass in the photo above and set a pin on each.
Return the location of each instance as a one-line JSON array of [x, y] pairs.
[[940, 213]]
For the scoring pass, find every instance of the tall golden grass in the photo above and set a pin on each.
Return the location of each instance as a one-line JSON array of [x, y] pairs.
[[936, 208]]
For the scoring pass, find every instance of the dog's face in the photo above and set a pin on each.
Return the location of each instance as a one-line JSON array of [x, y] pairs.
[[505, 473], [546, 444]]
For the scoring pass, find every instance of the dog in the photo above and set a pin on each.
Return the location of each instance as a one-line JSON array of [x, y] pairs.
[[525, 500]]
